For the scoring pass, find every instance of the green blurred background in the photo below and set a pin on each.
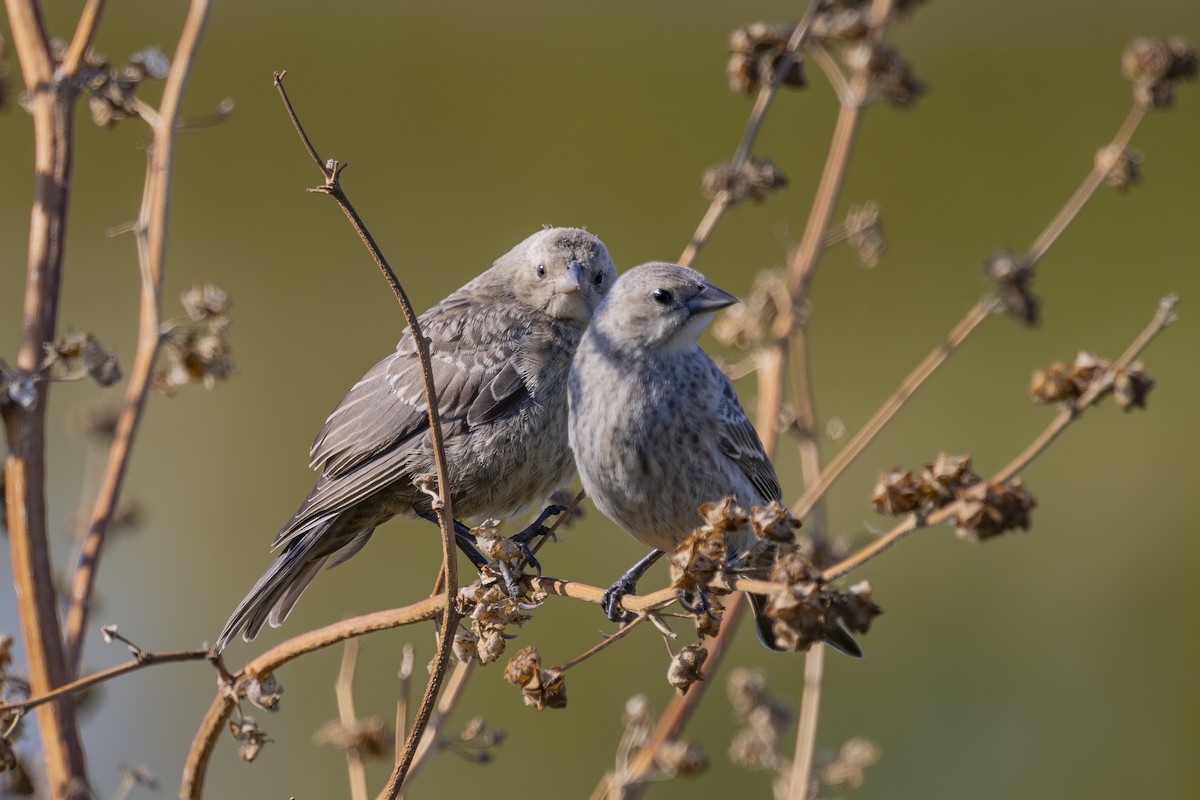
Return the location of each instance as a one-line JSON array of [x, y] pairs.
[[1055, 663]]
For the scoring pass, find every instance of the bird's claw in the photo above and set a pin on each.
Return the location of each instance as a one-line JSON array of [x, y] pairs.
[[698, 603], [610, 601], [535, 529]]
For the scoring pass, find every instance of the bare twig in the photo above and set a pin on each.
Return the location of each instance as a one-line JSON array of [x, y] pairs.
[[151, 233], [349, 719], [147, 659], [222, 706], [85, 32], [433, 732], [1070, 412], [762, 103], [603, 644], [970, 321], [443, 508]]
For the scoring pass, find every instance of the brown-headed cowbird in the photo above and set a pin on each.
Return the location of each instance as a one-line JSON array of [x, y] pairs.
[[656, 427], [501, 347]]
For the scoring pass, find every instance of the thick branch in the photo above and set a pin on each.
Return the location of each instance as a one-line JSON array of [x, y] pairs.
[[25, 465]]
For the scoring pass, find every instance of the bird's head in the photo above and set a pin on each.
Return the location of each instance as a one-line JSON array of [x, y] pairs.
[[659, 306], [564, 272]]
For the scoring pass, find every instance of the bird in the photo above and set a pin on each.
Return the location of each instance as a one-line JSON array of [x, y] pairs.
[[656, 428], [500, 348]]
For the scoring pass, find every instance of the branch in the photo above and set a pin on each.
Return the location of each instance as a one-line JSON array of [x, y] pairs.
[[198, 756], [974, 317], [85, 33], [1070, 412], [762, 103], [151, 233], [331, 171], [52, 108], [147, 659]]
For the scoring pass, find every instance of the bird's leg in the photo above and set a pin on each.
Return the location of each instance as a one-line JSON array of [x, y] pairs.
[[536, 528], [626, 584], [463, 538]]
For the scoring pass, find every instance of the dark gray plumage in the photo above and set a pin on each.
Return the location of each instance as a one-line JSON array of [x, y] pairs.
[[501, 348], [656, 427]]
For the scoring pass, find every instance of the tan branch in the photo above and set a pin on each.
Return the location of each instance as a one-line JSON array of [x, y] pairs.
[[1162, 319], [762, 103], [151, 232]]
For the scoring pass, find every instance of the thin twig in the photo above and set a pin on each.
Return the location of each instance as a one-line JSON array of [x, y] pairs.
[[603, 644], [1162, 319], [433, 732], [975, 316], [85, 33], [344, 688], [762, 103], [151, 234], [147, 659], [444, 508]]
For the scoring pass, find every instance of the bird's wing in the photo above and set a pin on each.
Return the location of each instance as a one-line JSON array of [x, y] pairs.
[[739, 441], [472, 346]]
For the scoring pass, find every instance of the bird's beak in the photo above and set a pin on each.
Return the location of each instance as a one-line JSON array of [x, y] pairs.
[[710, 299], [571, 280]]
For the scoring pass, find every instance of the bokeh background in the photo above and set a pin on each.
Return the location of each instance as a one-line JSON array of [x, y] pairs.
[[1053, 663]]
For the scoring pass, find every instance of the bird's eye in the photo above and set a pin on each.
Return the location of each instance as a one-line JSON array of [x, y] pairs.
[[541, 270], [662, 296], [598, 279]]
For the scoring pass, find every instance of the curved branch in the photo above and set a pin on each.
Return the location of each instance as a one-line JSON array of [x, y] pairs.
[[443, 508]]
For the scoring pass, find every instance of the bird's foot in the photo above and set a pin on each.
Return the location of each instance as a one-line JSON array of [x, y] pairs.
[[535, 529], [610, 601]]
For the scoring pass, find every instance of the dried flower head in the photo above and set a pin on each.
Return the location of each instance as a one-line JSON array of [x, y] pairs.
[[675, 758], [1013, 276], [990, 509], [205, 301], [77, 355], [756, 745], [249, 738], [889, 74], [847, 770], [1131, 384], [698, 559], [1121, 166], [744, 325], [138, 775], [490, 610], [1154, 65], [754, 179], [367, 738], [896, 492], [774, 522], [540, 688], [757, 51], [687, 667], [864, 232], [945, 476], [1059, 383], [263, 691]]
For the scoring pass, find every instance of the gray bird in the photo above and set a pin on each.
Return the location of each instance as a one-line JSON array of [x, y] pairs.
[[501, 348], [656, 427]]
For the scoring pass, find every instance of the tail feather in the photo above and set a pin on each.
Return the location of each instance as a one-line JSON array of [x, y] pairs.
[[276, 592]]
